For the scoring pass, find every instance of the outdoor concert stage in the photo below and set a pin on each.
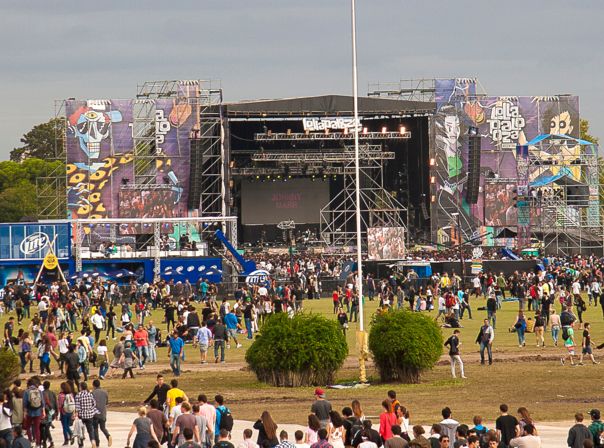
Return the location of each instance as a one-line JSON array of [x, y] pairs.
[[441, 164]]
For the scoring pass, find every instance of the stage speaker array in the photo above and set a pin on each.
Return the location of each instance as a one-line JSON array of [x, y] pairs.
[[198, 147], [473, 183]]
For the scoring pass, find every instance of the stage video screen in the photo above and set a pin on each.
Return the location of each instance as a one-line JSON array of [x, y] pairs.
[[148, 204], [298, 200], [385, 243], [499, 210]]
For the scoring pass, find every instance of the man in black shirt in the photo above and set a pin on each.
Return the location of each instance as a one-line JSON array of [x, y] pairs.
[[247, 318], [507, 426], [492, 310], [161, 390], [453, 343], [8, 332], [220, 339]]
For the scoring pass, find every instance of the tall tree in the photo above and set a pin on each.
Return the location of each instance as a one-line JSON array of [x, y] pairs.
[[42, 141], [585, 135]]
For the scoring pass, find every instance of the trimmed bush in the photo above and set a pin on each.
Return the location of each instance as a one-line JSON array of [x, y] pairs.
[[305, 350], [404, 344], [10, 366]]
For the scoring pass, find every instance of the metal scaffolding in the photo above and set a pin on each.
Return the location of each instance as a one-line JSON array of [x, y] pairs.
[[565, 213], [51, 188], [378, 207]]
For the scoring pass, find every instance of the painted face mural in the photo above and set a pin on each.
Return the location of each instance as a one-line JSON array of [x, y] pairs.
[[91, 127]]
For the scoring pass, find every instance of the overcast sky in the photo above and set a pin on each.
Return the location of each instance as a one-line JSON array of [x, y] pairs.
[[269, 49]]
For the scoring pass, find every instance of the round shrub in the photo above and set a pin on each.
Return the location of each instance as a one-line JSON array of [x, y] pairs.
[[10, 367], [403, 344], [305, 350]]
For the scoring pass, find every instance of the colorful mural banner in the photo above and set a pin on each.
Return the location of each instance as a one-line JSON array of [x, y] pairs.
[[100, 151], [502, 123]]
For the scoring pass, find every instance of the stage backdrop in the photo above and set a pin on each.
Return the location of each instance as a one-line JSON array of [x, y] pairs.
[[502, 122], [100, 152], [298, 200]]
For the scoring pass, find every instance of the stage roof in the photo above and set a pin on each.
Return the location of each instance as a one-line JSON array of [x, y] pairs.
[[328, 105]]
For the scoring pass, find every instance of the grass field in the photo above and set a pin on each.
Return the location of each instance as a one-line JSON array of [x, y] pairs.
[[528, 376]]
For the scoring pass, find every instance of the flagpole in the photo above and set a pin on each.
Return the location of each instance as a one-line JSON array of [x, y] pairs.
[[361, 337]]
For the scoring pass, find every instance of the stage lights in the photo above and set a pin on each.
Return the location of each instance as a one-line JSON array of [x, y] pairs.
[[432, 161], [432, 179], [384, 129], [402, 130], [365, 130]]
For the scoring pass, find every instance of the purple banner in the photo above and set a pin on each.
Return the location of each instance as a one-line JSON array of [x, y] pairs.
[[100, 160]]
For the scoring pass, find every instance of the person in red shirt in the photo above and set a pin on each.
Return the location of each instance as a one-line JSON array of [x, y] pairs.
[[387, 420], [141, 341]]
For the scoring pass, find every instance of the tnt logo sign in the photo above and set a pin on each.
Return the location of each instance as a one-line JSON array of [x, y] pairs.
[[34, 243]]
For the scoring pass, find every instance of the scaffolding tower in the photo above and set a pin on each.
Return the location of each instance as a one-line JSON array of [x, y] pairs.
[[51, 188], [379, 208], [565, 213]]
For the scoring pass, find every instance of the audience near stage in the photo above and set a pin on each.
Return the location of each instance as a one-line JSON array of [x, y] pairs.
[[59, 330]]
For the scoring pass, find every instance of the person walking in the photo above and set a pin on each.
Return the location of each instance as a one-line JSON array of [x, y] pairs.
[[507, 426], [141, 342], [519, 328], [220, 340], [485, 338], [33, 407], [597, 426], [99, 421], [555, 323], [203, 339], [175, 349], [454, 343], [568, 336], [387, 420], [267, 431], [586, 345], [127, 360], [66, 402], [102, 358], [85, 407], [578, 433], [143, 426]]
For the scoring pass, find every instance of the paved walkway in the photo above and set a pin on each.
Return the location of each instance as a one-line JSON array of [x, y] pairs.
[[553, 435]]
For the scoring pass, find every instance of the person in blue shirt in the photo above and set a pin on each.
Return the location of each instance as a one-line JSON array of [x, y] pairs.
[[175, 348], [220, 409], [232, 324]]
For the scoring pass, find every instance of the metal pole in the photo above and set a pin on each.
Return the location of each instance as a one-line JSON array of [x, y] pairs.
[[361, 337]]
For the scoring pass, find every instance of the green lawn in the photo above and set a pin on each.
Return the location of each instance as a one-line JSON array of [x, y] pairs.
[[528, 376]]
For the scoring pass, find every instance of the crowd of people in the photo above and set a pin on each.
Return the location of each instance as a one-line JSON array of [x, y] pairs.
[[73, 326], [169, 417]]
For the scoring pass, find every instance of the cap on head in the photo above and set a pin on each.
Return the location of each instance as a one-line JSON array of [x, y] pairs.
[[595, 413], [319, 392]]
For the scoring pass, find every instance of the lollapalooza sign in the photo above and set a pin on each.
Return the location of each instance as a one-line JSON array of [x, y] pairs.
[[339, 123]]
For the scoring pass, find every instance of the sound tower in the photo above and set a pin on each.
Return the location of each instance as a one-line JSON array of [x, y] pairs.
[[473, 183], [198, 147]]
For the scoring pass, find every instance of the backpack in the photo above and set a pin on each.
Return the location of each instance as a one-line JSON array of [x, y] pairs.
[[564, 333], [449, 300], [35, 399], [355, 428], [226, 419], [69, 404]]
